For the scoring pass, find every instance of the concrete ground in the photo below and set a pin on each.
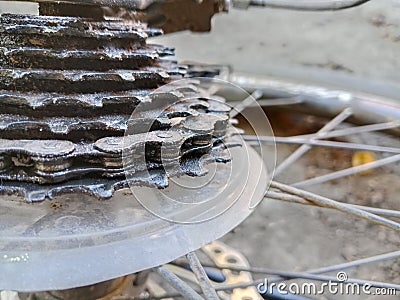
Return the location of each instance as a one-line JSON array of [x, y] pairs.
[[360, 42]]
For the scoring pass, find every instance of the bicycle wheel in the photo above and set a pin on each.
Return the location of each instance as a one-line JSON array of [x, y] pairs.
[[331, 212]]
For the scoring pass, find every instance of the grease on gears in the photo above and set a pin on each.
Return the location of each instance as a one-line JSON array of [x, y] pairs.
[[51, 159], [54, 161], [57, 127], [76, 128]]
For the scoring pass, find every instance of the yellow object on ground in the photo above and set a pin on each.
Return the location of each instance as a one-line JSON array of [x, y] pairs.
[[361, 158]]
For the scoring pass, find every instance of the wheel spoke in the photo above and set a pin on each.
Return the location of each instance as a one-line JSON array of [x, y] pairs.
[[204, 281], [296, 275], [296, 199], [304, 138], [249, 101], [347, 172], [329, 203], [304, 148], [182, 287], [305, 275], [285, 275], [329, 144], [354, 130], [356, 263], [274, 102]]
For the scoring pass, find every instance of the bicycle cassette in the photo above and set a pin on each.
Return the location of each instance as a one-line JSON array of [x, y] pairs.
[[70, 89]]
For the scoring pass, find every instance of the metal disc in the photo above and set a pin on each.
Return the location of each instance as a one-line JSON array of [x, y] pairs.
[[77, 240]]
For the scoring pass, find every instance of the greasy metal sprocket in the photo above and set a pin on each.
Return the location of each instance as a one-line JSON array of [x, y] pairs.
[[68, 86]]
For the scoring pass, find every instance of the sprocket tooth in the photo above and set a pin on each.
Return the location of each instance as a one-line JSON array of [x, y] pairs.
[[81, 105], [77, 33]]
